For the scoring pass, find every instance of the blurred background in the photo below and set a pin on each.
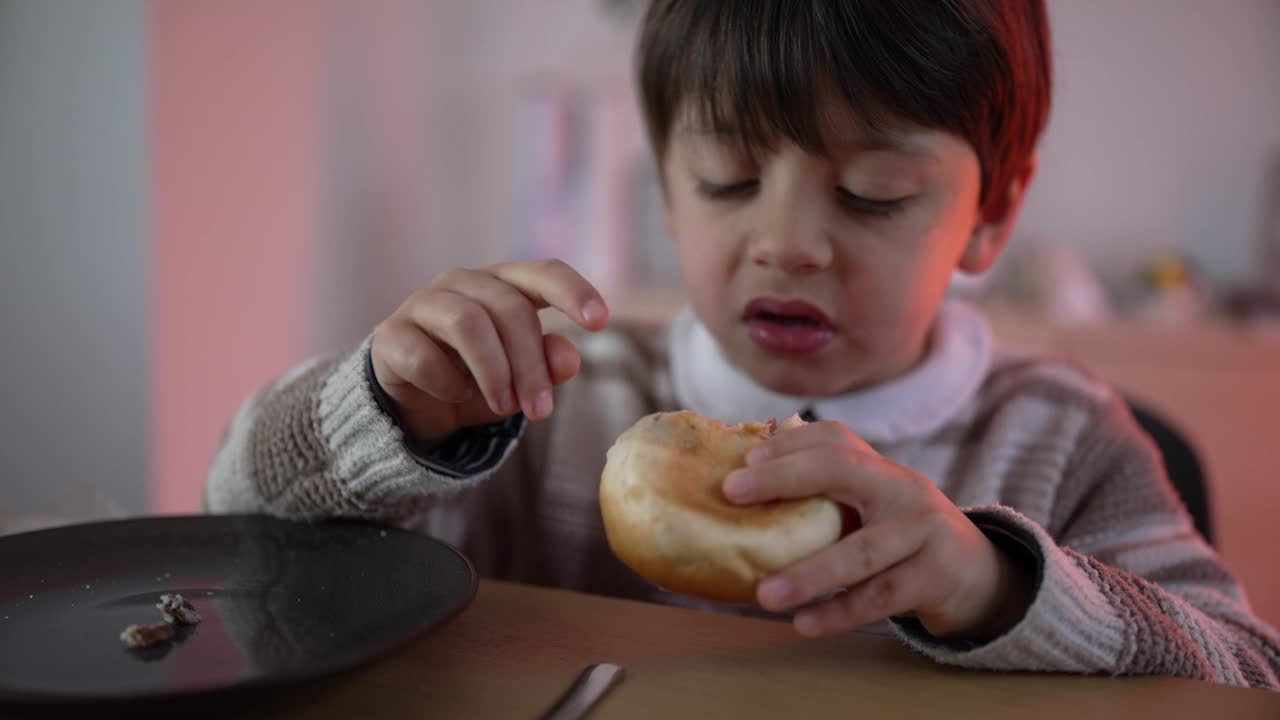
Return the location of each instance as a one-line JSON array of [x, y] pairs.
[[197, 195]]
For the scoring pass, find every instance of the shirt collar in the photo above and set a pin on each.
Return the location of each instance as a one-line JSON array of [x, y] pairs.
[[910, 406]]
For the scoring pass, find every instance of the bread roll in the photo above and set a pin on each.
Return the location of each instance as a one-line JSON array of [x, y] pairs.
[[667, 519]]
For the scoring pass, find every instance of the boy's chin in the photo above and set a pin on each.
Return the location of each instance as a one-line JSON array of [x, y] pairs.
[[835, 371], [791, 379]]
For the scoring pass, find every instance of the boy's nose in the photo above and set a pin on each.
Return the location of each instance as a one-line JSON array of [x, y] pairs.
[[793, 239]]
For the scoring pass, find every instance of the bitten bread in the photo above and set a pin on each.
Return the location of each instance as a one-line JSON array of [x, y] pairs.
[[667, 519]]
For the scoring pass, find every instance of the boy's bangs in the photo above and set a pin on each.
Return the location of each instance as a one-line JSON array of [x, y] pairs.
[[757, 72], [772, 89]]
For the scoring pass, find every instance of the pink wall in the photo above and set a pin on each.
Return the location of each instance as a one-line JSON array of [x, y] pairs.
[[232, 173]]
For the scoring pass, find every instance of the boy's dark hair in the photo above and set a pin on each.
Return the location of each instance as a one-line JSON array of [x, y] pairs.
[[755, 70]]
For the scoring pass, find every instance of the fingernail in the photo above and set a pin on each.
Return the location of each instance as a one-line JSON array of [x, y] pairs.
[[807, 624], [507, 403], [775, 592], [594, 312], [757, 454], [737, 486], [542, 404]]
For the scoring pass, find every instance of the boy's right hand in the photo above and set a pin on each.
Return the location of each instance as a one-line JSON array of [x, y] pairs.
[[468, 349]]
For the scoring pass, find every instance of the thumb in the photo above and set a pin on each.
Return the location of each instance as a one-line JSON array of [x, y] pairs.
[[563, 360]]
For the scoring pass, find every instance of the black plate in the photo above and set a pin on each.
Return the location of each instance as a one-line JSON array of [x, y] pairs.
[[281, 601]]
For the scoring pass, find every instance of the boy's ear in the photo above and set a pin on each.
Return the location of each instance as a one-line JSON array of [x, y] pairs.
[[995, 222]]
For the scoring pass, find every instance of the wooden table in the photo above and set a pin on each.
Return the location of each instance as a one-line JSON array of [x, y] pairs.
[[513, 651]]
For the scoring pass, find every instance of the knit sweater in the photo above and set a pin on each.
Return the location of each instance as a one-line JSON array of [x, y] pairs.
[[1040, 455]]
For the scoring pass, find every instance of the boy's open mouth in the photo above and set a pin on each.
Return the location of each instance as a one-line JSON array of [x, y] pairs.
[[790, 320], [787, 326], [788, 313]]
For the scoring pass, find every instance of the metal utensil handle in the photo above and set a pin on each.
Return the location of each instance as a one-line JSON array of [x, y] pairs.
[[591, 685]]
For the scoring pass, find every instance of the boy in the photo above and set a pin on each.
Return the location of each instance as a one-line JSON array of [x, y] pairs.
[[827, 165]]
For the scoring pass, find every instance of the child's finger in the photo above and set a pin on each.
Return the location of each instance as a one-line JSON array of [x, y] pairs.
[[465, 326], [403, 354], [815, 434], [552, 283], [563, 359], [831, 470], [849, 562], [891, 593], [516, 320]]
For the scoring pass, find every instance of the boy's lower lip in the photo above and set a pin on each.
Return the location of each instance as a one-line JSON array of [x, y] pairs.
[[791, 339]]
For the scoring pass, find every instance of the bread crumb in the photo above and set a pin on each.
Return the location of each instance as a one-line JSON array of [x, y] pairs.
[[140, 636], [176, 609]]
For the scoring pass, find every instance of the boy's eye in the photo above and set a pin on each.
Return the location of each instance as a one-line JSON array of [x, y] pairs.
[[867, 206], [728, 191]]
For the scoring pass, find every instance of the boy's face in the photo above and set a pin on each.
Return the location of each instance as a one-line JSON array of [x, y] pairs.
[[819, 274]]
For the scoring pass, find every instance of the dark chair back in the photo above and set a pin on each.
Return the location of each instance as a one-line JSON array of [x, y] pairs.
[[1182, 463]]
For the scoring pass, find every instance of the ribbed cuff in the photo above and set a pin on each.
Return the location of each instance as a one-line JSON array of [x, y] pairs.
[[1069, 627], [368, 449], [466, 453]]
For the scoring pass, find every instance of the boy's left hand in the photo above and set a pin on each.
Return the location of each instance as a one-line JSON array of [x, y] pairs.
[[915, 554]]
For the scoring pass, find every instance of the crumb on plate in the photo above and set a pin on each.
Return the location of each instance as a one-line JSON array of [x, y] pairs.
[[140, 636], [176, 609]]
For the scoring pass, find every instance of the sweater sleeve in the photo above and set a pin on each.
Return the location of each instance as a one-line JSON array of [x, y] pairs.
[[317, 443], [1126, 586]]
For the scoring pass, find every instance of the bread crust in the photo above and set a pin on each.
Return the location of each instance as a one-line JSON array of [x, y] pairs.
[[666, 518]]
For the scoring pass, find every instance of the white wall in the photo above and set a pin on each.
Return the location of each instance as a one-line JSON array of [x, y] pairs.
[[72, 257], [1167, 113], [421, 137], [490, 51]]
